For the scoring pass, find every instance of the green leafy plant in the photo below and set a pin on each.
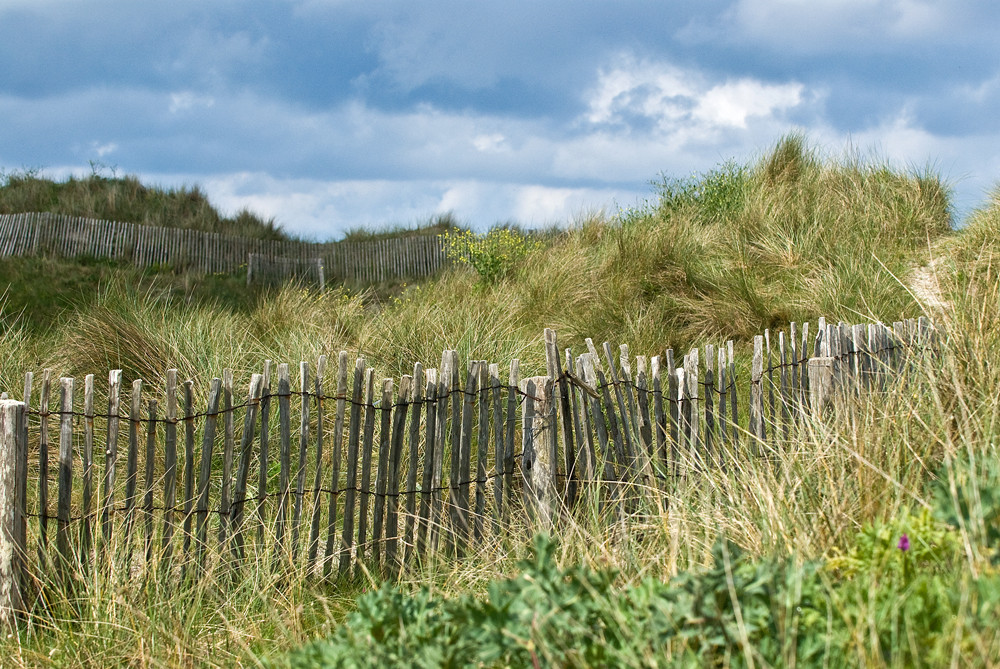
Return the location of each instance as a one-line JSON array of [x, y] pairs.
[[967, 496], [577, 616], [900, 548], [494, 255]]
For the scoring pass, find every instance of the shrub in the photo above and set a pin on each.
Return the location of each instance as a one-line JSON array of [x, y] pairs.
[[494, 255], [578, 617]]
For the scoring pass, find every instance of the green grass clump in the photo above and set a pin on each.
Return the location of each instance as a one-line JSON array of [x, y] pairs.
[[436, 225], [114, 198]]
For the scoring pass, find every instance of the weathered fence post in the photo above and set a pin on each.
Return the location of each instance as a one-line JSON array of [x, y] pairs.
[[821, 388], [539, 463], [12, 416], [757, 428]]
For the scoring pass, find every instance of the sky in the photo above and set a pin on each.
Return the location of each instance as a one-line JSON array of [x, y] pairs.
[[329, 115]]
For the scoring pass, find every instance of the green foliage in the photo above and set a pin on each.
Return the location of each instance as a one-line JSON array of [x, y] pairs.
[[967, 496], [715, 195], [495, 255], [577, 617], [737, 612], [932, 545]]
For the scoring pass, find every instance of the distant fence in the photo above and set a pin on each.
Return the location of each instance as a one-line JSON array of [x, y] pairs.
[[435, 463], [261, 269], [69, 236]]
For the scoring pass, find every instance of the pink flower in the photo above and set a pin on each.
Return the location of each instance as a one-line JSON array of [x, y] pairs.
[[904, 543]]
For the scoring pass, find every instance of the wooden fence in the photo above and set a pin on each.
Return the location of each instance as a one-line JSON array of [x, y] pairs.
[[261, 269], [389, 472], [193, 250]]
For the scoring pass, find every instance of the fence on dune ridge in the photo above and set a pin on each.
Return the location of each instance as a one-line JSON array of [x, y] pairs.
[[586, 429], [368, 261]]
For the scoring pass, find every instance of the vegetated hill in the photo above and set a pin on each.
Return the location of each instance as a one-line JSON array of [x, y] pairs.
[[722, 255], [126, 199]]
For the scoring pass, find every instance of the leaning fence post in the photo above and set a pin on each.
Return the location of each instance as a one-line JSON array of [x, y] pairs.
[[820, 384], [12, 416]]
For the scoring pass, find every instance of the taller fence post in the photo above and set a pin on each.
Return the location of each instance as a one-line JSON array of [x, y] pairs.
[[12, 416], [539, 466], [821, 383]]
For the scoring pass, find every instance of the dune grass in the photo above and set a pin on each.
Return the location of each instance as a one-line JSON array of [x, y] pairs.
[[791, 559], [126, 199]]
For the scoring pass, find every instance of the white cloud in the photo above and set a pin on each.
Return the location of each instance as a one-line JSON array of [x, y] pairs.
[[674, 98], [492, 143], [326, 209], [645, 117], [186, 100], [104, 149], [732, 103]]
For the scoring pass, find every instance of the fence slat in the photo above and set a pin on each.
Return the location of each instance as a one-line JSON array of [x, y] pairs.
[[436, 521], [539, 468], [131, 468], [353, 445], [413, 459], [12, 434], [265, 434], [589, 364], [65, 471], [392, 488], [723, 418], [385, 412], [43, 468], [455, 475], [770, 418], [284, 456], [692, 374], [300, 472], [783, 419], [627, 452], [513, 384], [228, 446], [169, 467], [423, 525], [317, 511], [20, 490], [560, 403], [611, 417], [630, 413], [205, 471], [87, 530], [150, 462], [367, 448], [756, 394], [710, 437], [468, 397], [243, 469], [584, 461], [482, 452], [189, 462], [734, 422], [338, 447]]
